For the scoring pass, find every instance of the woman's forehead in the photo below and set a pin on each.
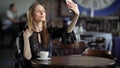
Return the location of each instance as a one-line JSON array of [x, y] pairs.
[[39, 7]]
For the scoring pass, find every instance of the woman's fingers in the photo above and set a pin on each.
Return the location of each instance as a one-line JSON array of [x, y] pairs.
[[27, 33], [73, 6]]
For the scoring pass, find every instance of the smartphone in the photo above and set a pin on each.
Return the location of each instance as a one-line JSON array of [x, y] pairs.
[[68, 0]]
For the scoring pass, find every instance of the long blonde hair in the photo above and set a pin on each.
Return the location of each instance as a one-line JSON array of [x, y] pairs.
[[31, 25]]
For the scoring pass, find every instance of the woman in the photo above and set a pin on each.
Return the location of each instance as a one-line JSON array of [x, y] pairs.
[[36, 36]]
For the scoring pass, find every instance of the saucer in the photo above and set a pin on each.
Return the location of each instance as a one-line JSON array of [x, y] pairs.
[[44, 59]]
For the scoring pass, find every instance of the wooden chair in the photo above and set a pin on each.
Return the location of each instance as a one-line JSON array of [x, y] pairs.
[[69, 49], [98, 53]]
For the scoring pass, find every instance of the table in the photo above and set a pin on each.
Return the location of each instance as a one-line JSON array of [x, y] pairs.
[[75, 61]]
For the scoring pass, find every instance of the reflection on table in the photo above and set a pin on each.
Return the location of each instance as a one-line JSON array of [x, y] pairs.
[[74, 61]]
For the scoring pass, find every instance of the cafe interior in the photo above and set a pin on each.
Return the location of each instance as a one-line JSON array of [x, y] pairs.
[[97, 30]]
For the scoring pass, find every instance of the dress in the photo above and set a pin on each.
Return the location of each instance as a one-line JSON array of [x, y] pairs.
[[36, 47]]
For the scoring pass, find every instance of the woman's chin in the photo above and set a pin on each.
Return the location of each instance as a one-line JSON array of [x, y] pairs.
[[42, 20]]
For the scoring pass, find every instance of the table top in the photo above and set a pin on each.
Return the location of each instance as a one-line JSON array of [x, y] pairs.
[[76, 61]]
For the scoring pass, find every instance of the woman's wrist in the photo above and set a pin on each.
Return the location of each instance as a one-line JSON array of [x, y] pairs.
[[26, 38], [77, 14]]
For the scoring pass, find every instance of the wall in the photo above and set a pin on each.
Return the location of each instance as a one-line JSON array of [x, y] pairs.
[[104, 12], [22, 6], [111, 10]]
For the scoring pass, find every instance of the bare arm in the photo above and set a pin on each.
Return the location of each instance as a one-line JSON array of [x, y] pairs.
[[74, 7], [72, 24], [27, 51]]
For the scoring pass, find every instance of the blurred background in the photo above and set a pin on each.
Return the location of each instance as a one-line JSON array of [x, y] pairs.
[[100, 17]]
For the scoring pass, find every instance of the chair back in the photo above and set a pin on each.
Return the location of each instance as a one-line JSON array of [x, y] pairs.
[[69, 49], [98, 53]]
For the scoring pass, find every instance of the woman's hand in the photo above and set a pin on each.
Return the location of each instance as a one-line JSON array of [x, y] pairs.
[[27, 33], [27, 51], [72, 6]]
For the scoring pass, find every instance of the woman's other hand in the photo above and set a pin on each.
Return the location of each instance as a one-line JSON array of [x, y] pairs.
[[27, 51], [27, 33], [72, 6]]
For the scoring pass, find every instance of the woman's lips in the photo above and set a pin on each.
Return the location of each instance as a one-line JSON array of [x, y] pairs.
[[41, 16]]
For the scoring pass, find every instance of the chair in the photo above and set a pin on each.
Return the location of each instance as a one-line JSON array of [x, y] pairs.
[[108, 39], [10, 32], [17, 65], [99, 43], [69, 49], [18, 58], [98, 53]]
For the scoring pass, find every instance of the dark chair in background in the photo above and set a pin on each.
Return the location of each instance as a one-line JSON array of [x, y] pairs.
[[11, 34], [99, 43]]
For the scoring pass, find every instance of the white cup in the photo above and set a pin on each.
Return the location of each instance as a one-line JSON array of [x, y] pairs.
[[43, 54]]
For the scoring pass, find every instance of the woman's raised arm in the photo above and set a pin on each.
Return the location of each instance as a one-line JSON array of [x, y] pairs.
[[73, 7]]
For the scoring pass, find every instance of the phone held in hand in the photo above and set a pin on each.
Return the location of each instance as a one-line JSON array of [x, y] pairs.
[[67, 3]]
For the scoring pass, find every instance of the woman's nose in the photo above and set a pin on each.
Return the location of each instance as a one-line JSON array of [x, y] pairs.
[[41, 13]]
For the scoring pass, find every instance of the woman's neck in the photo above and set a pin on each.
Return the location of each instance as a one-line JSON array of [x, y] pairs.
[[38, 26]]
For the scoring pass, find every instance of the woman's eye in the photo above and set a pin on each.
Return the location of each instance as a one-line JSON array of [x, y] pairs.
[[39, 11]]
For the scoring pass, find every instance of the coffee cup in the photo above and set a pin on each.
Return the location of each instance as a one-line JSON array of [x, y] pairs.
[[43, 54]]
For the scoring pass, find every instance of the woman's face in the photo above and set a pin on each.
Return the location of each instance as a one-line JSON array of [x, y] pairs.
[[39, 13]]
